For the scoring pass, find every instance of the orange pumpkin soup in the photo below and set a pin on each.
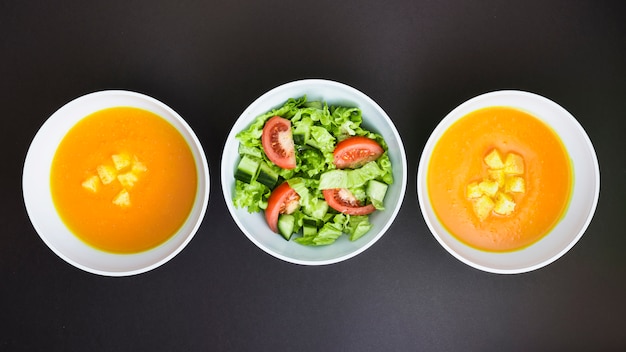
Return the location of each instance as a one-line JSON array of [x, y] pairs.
[[123, 180], [499, 179]]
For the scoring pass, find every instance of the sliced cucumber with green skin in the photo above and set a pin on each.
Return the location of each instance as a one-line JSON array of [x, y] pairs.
[[309, 227], [376, 191], [267, 175], [286, 224], [247, 169]]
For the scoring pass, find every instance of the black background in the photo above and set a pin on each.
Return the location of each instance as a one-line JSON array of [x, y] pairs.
[[417, 59]]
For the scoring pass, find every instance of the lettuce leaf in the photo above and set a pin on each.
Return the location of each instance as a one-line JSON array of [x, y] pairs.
[[328, 234], [252, 196], [385, 166], [354, 226], [357, 227], [322, 139], [312, 162], [350, 178]]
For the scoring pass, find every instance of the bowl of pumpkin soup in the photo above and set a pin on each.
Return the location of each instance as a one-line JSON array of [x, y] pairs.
[[116, 183], [508, 182]]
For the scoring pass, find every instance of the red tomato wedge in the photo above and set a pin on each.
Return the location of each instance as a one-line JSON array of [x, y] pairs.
[[354, 152], [343, 201], [277, 142], [283, 200]]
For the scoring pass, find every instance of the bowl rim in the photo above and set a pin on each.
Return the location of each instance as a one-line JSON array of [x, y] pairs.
[[462, 110], [248, 114], [67, 112]]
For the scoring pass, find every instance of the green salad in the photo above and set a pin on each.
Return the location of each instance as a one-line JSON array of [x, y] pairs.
[[313, 170]]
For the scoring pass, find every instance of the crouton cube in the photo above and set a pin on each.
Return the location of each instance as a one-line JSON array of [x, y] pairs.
[[122, 199], [504, 204], [473, 191], [128, 179], [498, 176], [121, 161], [92, 183], [138, 166], [488, 187], [493, 160], [515, 184], [514, 164], [106, 173], [483, 207]]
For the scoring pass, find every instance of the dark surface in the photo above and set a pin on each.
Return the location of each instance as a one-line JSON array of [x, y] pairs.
[[418, 59]]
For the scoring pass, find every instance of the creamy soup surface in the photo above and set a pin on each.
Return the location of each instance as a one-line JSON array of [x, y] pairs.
[[123, 180], [499, 179]]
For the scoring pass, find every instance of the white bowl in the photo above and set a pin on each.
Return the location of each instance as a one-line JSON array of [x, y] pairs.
[[38, 198], [583, 201], [374, 118]]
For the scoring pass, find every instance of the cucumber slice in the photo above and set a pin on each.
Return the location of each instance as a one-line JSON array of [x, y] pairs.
[[376, 191], [267, 175], [247, 169], [286, 224], [309, 228]]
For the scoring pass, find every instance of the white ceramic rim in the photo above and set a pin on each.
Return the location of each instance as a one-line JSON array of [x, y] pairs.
[[248, 116], [38, 199], [548, 111]]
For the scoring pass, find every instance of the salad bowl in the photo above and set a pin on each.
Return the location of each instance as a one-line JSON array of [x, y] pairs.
[[254, 225]]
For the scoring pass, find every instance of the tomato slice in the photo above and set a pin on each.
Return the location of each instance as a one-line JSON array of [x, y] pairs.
[[354, 152], [283, 200], [277, 142], [343, 201]]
